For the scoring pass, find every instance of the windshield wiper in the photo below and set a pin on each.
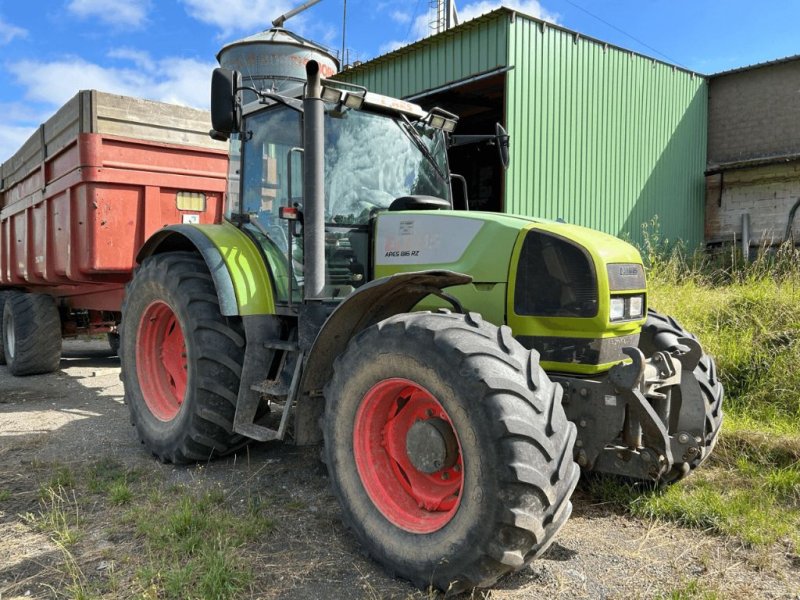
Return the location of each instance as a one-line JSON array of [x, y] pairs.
[[415, 137]]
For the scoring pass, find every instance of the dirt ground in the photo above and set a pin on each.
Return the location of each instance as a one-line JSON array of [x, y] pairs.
[[77, 416]]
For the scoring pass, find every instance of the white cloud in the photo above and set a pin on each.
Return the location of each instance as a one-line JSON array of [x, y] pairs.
[[12, 137], [141, 59], [8, 32], [131, 13], [232, 16], [48, 85], [533, 8], [421, 26], [176, 80], [399, 16], [391, 46]]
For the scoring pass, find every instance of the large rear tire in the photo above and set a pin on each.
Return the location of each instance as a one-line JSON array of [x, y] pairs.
[[31, 334], [448, 449], [181, 360], [3, 296], [652, 340]]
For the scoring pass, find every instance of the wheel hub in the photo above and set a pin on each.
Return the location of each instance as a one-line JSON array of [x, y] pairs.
[[431, 445], [408, 455]]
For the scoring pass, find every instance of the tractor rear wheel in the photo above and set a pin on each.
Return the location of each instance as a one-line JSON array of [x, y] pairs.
[[181, 360], [448, 449], [31, 333], [3, 296], [704, 375]]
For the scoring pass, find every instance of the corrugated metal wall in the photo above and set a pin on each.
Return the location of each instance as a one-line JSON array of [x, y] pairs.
[[478, 46], [600, 136]]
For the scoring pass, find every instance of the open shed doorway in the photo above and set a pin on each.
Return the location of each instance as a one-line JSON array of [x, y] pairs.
[[479, 102]]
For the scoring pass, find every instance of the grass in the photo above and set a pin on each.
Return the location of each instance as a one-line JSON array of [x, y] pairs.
[[747, 315], [195, 543], [184, 543]]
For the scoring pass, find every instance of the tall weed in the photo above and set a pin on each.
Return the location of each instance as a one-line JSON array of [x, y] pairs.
[[746, 314]]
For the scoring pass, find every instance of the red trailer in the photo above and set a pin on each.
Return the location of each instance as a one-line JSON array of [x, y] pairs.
[[79, 199]]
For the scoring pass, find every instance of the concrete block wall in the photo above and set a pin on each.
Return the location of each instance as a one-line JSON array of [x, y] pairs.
[[766, 193]]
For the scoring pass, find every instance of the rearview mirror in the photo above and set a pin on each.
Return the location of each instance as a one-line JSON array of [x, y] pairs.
[[502, 144], [225, 114]]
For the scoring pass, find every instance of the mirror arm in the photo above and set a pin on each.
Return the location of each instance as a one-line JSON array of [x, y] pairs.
[[463, 181]]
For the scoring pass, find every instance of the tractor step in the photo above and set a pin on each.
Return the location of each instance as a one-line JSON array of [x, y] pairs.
[[271, 388], [287, 346], [257, 432]]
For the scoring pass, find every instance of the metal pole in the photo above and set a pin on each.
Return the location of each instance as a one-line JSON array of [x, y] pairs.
[[314, 185], [344, 34]]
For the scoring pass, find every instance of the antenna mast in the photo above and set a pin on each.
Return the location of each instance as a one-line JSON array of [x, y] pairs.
[[444, 15]]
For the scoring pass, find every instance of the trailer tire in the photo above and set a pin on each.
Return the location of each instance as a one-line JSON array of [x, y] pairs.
[[113, 343], [31, 334], [3, 296], [504, 480], [181, 360], [705, 373]]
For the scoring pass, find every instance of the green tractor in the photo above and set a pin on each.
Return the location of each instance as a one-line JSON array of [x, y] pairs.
[[461, 368]]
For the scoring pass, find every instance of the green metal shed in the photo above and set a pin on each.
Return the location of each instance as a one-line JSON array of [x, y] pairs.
[[600, 136]]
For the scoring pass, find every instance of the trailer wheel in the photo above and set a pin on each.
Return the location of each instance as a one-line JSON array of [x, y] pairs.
[[181, 360], [652, 339], [113, 343], [31, 334], [448, 449], [3, 296]]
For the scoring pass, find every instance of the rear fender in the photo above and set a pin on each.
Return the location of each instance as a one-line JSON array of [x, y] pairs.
[[239, 272], [373, 302]]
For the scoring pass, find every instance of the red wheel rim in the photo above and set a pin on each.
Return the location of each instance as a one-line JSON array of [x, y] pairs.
[[413, 500], [161, 363]]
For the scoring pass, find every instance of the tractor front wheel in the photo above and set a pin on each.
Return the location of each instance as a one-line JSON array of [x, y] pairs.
[[448, 449], [181, 360], [659, 333]]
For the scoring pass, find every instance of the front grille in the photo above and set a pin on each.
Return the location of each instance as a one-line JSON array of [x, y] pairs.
[[555, 278]]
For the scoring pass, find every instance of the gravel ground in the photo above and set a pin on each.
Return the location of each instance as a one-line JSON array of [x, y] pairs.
[[77, 416]]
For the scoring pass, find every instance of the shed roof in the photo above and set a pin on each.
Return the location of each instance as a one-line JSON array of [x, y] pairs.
[[492, 15], [761, 65]]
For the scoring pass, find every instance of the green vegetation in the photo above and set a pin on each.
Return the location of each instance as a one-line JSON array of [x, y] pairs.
[[747, 315], [194, 544], [187, 543]]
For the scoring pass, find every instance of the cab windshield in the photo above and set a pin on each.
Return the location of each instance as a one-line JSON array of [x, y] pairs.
[[370, 160]]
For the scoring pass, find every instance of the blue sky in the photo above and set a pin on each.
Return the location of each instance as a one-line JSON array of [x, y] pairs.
[[164, 49]]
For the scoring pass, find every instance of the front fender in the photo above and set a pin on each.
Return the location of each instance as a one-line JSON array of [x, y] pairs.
[[240, 274], [371, 303]]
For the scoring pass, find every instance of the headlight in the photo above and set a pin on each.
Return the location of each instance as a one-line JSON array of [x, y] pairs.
[[636, 307], [617, 309], [626, 308]]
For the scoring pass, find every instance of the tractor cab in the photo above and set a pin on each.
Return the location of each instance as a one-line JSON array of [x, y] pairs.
[[380, 154]]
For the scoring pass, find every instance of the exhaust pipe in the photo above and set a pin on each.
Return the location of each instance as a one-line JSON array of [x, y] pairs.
[[314, 184]]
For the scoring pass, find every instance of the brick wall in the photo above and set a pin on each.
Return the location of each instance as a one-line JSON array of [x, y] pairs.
[[754, 113]]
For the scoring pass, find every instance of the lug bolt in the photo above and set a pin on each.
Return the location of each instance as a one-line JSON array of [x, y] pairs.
[[579, 443], [457, 468], [445, 476], [582, 423], [429, 413], [584, 392], [683, 438]]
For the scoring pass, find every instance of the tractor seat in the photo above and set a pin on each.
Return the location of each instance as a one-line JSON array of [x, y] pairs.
[[419, 203]]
